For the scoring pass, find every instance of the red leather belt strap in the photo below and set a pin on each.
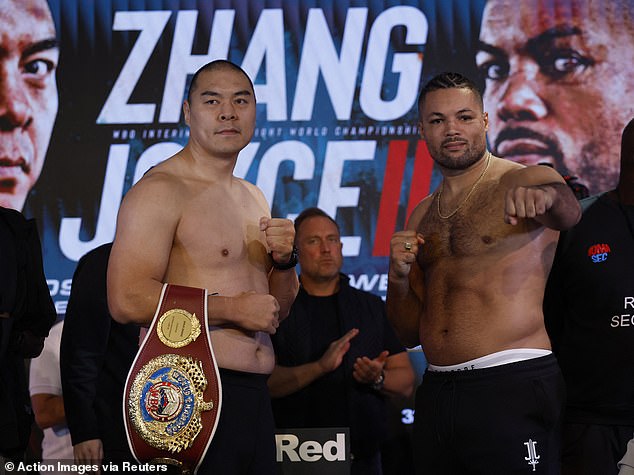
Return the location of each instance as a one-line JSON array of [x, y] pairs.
[[173, 393]]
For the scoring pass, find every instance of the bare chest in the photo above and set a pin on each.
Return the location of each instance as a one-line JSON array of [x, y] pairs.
[[477, 229], [219, 231]]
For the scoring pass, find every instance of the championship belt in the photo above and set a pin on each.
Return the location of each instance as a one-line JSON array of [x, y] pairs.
[[173, 393]]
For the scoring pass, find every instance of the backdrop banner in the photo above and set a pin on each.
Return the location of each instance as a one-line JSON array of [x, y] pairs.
[[336, 85]]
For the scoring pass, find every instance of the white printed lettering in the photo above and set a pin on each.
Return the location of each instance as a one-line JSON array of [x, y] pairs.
[[319, 54], [70, 228], [335, 450], [286, 444], [116, 109], [408, 416], [408, 66], [267, 44], [291, 150], [383, 283], [625, 320], [182, 63], [331, 194], [154, 155], [365, 282], [310, 451]]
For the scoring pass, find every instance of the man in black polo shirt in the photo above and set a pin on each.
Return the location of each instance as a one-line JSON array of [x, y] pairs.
[[589, 311], [337, 356]]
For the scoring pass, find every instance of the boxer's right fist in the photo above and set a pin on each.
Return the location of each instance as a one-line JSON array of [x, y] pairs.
[[404, 247]]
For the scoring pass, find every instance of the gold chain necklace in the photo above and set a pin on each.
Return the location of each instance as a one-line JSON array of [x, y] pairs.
[[466, 198]]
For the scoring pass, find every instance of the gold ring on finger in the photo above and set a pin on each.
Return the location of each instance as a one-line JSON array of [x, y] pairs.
[[407, 245]]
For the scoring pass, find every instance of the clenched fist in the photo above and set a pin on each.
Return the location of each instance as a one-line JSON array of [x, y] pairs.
[[527, 202], [280, 236], [256, 312], [404, 247]]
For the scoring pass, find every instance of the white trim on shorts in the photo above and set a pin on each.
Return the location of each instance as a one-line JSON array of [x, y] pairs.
[[494, 359]]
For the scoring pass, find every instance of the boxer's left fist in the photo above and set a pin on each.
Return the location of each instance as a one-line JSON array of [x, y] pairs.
[[280, 236], [527, 202]]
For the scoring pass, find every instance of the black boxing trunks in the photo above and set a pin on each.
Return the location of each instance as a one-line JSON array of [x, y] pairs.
[[499, 420]]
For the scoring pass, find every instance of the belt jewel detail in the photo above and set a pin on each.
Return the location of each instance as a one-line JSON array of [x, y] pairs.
[[166, 399]]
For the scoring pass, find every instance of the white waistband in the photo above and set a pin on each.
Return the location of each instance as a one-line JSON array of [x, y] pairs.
[[494, 359]]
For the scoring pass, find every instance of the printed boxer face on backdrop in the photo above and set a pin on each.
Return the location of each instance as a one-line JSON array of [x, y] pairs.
[[29, 56], [556, 77]]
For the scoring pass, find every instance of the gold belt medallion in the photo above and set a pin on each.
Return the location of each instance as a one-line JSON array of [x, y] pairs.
[[177, 328], [166, 399]]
